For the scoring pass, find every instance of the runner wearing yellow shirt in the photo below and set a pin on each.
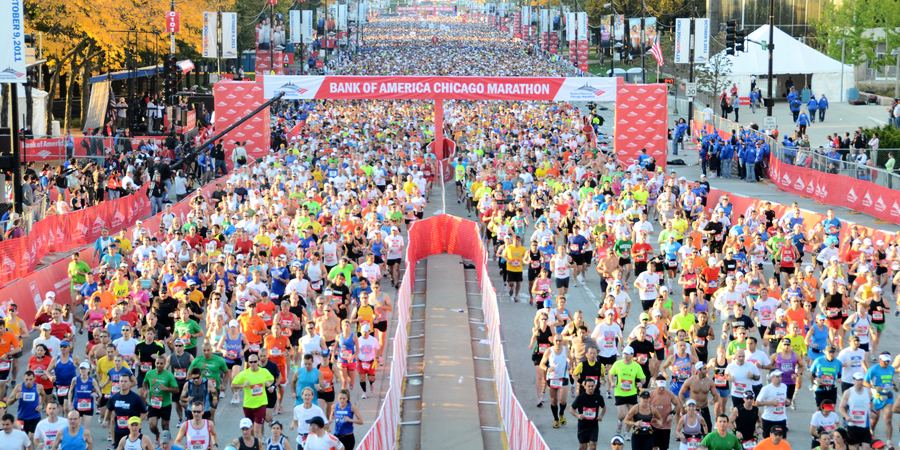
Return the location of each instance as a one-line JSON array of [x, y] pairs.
[[514, 255]]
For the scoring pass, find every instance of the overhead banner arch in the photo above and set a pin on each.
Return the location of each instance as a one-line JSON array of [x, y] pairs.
[[581, 89]]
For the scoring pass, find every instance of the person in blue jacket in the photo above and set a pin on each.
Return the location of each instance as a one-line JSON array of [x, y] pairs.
[[727, 158], [802, 122], [823, 105], [754, 98], [812, 106], [762, 152], [796, 104]]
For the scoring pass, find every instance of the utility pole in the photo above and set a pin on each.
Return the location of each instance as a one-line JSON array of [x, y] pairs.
[[771, 45], [271, 37]]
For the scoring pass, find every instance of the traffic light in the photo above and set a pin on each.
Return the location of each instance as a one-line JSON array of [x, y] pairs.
[[730, 28], [171, 84], [739, 36]]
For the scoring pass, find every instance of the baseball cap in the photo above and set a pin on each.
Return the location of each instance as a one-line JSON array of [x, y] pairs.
[[645, 316], [831, 348], [749, 394], [246, 423], [617, 440], [233, 323], [775, 373], [699, 365], [85, 365], [165, 437], [645, 394], [886, 357], [858, 376], [828, 405], [690, 402], [878, 443], [179, 341], [780, 313], [628, 350], [46, 326], [64, 344], [48, 303], [241, 279], [51, 294], [365, 328], [854, 338], [134, 419], [778, 429], [316, 420], [656, 313]]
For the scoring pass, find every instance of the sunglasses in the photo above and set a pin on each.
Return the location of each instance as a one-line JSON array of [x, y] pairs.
[[254, 362]]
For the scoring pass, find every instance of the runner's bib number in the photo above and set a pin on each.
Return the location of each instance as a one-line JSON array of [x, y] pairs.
[[122, 421], [180, 374], [556, 383], [62, 391], [590, 413], [256, 390], [156, 402], [626, 385], [84, 404]]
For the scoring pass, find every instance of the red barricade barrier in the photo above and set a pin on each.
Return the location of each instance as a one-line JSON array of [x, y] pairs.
[[838, 190], [449, 234], [19, 257], [29, 288]]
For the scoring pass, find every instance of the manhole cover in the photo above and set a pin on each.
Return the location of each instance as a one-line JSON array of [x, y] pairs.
[[415, 382]]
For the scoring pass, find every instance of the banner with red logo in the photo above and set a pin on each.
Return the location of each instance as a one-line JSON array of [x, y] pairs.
[[173, 22], [838, 190], [19, 257], [642, 117], [296, 87], [43, 149], [234, 100]]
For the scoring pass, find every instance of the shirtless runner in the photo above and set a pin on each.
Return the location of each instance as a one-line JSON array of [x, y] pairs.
[[327, 322], [700, 387]]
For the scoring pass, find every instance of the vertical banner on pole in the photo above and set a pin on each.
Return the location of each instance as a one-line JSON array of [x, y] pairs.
[[296, 26], [649, 32], [12, 43], [210, 25], [682, 41], [605, 30], [570, 27], [619, 27], [701, 33], [229, 35], [342, 17], [634, 35], [583, 41], [307, 26]]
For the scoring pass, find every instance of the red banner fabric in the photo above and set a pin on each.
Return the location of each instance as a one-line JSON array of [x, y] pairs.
[[19, 257], [642, 115], [838, 190], [234, 100]]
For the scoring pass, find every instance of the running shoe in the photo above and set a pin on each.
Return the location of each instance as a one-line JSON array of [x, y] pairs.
[[619, 429], [108, 438], [793, 406], [363, 396], [562, 420], [234, 400], [608, 394], [628, 437], [280, 410], [510, 290], [540, 403], [555, 424]]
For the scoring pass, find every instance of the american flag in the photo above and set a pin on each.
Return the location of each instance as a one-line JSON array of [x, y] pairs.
[[656, 51]]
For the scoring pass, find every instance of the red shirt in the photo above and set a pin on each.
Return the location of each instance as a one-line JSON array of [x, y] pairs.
[[636, 248], [60, 330], [193, 241], [243, 246]]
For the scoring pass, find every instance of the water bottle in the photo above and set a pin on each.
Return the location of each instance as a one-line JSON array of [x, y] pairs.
[[460, 380]]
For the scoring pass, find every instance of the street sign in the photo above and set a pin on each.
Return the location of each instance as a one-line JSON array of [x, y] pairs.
[[763, 43], [690, 89], [769, 123]]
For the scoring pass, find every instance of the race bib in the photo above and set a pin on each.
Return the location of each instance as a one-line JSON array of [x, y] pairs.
[[535, 264], [721, 381], [122, 421], [543, 347], [115, 388], [877, 315], [4, 365], [62, 391], [833, 312], [84, 404], [749, 445], [145, 367], [156, 402], [365, 364], [713, 284], [700, 342], [256, 390], [826, 380], [556, 383], [590, 413], [516, 263], [626, 385], [254, 347], [197, 444], [740, 388], [858, 417], [180, 374], [230, 354], [641, 358], [346, 355], [29, 396], [692, 443], [275, 352]]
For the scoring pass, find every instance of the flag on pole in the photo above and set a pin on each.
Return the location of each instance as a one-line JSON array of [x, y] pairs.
[[656, 51]]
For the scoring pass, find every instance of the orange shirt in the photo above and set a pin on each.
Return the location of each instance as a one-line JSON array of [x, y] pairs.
[[277, 345], [266, 310], [107, 299], [711, 275], [8, 340], [250, 326], [798, 316], [175, 287], [766, 444]]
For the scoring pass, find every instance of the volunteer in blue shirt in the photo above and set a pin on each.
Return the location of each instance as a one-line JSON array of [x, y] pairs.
[[727, 158], [812, 106], [823, 105], [824, 373], [803, 122], [795, 104]]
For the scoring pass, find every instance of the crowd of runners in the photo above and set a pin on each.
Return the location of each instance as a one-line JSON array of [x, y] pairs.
[[278, 285]]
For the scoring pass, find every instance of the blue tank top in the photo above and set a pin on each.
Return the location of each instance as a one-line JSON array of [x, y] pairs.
[[72, 442], [277, 445], [201, 391], [820, 338], [376, 248], [348, 348], [234, 346], [681, 370], [82, 395], [341, 425], [307, 379], [28, 403], [223, 278], [65, 372], [698, 308], [115, 330], [114, 377]]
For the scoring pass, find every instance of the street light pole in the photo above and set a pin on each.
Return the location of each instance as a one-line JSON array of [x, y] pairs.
[[843, 47], [770, 101]]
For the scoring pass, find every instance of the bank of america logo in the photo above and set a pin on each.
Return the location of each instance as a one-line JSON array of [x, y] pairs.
[[290, 88], [12, 72], [591, 89]]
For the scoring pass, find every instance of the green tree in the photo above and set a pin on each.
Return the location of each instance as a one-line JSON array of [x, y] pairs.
[[713, 76]]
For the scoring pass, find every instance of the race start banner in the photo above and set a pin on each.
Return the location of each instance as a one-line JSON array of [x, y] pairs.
[[295, 87]]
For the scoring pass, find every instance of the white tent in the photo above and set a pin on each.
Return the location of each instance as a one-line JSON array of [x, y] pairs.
[[39, 114], [805, 65]]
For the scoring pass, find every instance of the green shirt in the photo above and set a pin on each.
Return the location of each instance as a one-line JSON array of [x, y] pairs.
[[733, 346], [889, 165], [185, 329], [347, 270], [626, 377], [255, 392], [623, 248], [683, 322], [78, 271], [160, 398], [715, 442], [211, 369]]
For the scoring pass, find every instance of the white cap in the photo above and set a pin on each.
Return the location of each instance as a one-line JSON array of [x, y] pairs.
[[698, 366], [628, 350], [656, 313], [51, 294], [241, 279], [246, 423], [233, 323], [48, 303], [885, 357], [775, 373], [712, 260]]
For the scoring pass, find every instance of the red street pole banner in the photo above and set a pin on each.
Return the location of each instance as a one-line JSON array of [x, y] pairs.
[[173, 22], [597, 89]]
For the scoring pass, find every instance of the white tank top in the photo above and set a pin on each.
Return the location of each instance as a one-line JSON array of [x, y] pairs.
[[561, 267], [312, 344], [241, 297], [858, 405], [557, 365], [315, 272], [329, 253], [861, 329], [135, 445], [198, 439]]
